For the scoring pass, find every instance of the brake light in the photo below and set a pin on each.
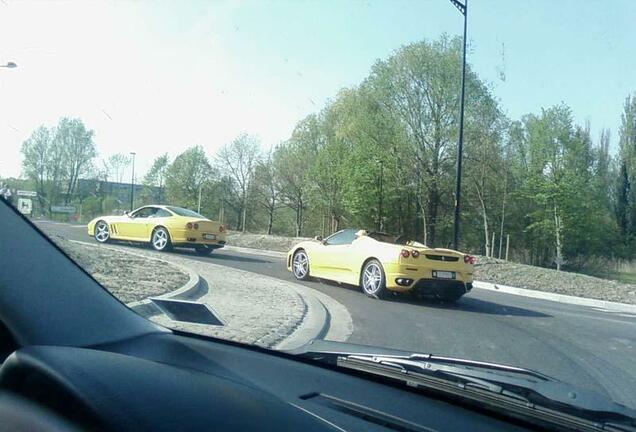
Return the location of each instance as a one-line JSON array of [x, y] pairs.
[[469, 259], [405, 253], [189, 225], [415, 254], [221, 228], [196, 226]]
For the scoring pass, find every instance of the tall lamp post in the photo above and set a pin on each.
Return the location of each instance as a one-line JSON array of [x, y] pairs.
[[463, 8], [132, 182], [9, 65]]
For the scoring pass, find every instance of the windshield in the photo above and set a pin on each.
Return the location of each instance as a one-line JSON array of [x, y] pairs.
[[495, 170], [184, 212]]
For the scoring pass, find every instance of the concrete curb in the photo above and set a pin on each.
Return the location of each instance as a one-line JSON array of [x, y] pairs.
[[560, 298], [318, 323], [146, 307]]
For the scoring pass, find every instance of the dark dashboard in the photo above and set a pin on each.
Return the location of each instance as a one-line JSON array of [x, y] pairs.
[[173, 382]]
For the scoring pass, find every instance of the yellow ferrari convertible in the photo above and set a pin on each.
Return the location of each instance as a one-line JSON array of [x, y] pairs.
[[380, 263], [162, 227]]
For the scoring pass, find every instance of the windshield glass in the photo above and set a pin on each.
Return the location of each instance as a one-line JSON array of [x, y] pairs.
[[184, 212], [496, 169]]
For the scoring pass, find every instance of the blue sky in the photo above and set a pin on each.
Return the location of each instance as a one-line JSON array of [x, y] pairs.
[[156, 77]]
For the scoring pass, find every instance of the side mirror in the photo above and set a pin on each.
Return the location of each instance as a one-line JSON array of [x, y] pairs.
[[126, 213], [318, 238]]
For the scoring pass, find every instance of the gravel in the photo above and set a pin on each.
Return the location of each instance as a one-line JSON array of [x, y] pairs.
[[128, 277], [262, 241], [548, 280]]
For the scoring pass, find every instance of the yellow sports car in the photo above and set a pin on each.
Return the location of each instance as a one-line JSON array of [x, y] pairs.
[[380, 263], [162, 227]]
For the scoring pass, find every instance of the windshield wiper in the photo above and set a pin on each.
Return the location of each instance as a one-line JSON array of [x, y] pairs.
[[516, 391]]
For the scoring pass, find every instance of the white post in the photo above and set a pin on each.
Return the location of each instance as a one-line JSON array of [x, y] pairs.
[[199, 207], [507, 245]]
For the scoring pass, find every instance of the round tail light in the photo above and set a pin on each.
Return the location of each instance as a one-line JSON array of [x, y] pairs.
[[469, 259], [196, 226], [189, 225], [415, 254], [221, 228], [405, 253]]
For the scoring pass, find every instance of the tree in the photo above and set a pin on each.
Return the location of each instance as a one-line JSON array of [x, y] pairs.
[[189, 171], [267, 189], [78, 151], [116, 165], [627, 158], [35, 163], [238, 160], [156, 175], [417, 86]]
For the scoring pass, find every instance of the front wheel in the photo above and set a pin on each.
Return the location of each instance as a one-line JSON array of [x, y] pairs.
[[102, 234], [373, 280], [203, 250], [300, 265], [160, 240]]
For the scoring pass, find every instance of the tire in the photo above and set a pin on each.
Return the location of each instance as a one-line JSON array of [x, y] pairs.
[[102, 232], [373, 280], [160, 239], [203, 250], [300, 265]]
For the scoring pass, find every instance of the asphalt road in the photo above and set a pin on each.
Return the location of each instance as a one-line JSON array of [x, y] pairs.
[[590, 348]]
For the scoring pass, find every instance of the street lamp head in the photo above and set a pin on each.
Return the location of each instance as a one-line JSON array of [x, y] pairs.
[[10, 65]]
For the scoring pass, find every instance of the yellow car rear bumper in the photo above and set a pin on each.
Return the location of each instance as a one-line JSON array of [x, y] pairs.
[[402, 278], [191, 237]]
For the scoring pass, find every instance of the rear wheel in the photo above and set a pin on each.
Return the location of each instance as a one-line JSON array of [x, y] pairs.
[[373, 280], [300, 265], [102, 234], [160, 239], [203, 250]]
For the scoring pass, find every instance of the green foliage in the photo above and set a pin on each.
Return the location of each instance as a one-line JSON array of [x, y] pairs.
[[189, 171]]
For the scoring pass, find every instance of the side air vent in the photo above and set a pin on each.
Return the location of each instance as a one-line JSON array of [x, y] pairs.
[[365, 413]]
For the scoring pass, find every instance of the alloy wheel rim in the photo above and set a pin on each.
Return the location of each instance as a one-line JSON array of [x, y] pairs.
[[301, 264], [372, 278], [102, 232], [160, 239]]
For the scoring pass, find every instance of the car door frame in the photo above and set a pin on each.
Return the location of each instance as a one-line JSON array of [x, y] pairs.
[[336, 259], [135, 228]]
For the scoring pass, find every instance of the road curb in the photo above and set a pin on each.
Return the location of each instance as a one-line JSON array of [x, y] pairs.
[[559, 298], [324, 317], [323, 312], [146, 307]]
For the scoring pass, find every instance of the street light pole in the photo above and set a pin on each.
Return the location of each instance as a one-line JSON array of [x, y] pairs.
[[9, 65], [463, 8], [132, 182]]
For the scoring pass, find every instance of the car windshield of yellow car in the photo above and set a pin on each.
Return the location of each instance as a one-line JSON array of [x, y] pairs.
[[248, 133]]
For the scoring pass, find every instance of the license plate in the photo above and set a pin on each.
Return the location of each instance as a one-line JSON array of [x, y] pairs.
[[443, 274], [209, 237]]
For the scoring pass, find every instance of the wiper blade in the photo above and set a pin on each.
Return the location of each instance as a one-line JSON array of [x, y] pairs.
[[519, 390]]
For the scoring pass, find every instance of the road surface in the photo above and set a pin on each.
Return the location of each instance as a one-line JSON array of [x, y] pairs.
[[588, 347]]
